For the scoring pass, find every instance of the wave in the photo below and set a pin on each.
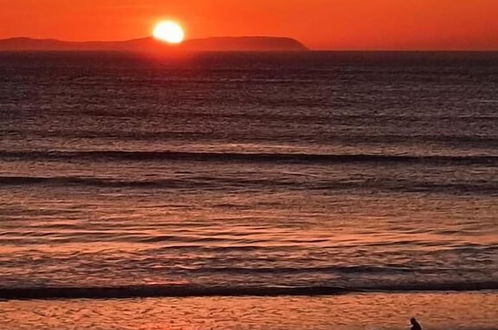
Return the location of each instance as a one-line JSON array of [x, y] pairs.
[[146, 291], [245, 157], [221, 183], [92, 182]]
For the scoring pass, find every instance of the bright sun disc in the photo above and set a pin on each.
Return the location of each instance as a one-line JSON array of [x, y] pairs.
[[169, 31]]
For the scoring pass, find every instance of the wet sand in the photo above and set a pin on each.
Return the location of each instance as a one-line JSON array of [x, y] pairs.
[[448, 310]]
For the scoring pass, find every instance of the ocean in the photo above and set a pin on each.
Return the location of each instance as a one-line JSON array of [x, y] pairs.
[[128, 176]]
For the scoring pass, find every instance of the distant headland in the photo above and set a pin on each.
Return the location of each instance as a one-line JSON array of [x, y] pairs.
[[152, 45]]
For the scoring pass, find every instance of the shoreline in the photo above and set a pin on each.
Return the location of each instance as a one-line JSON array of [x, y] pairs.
[[183, 291], [444, 310]]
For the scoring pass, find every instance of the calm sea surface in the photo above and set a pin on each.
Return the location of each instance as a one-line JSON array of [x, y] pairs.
[[256, 172]]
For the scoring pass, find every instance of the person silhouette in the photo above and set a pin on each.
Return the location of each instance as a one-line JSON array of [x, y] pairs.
[[415, 324]]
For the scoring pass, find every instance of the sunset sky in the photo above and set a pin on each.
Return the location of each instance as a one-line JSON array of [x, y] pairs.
[[320, 24]]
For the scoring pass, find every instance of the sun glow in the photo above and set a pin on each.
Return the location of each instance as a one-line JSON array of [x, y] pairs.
[[169, 31]]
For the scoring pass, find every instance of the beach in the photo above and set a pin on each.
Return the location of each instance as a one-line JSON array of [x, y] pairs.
[[445, 310]]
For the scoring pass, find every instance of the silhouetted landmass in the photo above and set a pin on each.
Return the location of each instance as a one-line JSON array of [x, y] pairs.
[[244, 44], [152, 45]]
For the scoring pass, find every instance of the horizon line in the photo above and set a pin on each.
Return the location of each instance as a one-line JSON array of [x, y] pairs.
[[309, 49]]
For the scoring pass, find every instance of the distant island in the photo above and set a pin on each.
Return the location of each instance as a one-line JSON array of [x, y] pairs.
[[152, 45]]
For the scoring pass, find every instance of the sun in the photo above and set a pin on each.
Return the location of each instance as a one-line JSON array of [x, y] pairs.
[[169, 31]]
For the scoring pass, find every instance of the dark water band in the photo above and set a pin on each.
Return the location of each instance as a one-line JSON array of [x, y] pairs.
[[192, 291], [247, 157]]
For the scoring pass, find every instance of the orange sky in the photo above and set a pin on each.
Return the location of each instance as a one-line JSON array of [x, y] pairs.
[[322, 24]]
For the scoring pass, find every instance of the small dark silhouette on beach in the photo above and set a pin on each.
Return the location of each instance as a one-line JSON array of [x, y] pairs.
[[415, 324]]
